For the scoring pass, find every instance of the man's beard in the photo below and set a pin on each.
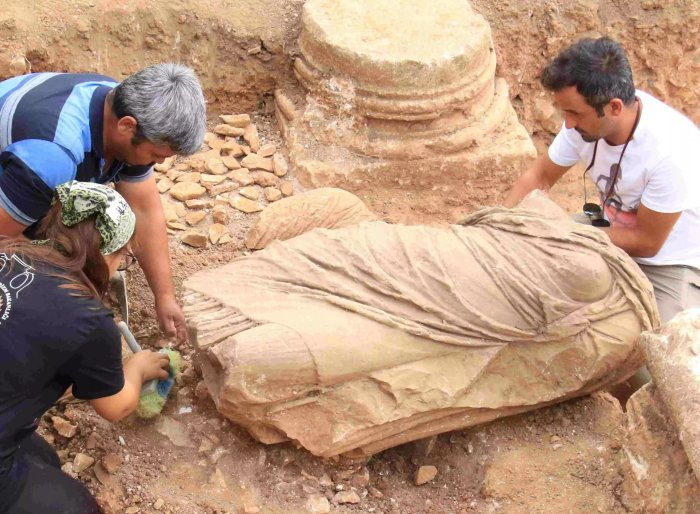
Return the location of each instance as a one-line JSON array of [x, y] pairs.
[[587, 137]]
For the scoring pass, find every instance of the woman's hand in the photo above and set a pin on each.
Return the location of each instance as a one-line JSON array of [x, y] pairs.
[[149, 365], [142, 367]]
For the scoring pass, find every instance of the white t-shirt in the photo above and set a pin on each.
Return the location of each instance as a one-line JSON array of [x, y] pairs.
[[660, 169]]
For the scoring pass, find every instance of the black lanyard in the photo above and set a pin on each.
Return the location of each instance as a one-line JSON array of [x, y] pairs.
[[616, 172]]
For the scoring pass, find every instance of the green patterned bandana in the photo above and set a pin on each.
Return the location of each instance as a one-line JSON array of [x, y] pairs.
[[114, 219]]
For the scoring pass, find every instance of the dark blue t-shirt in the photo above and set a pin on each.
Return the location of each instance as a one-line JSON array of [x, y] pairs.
[[50, 339]]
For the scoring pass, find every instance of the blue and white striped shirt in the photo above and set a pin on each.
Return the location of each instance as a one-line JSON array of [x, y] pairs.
[[51, 132]]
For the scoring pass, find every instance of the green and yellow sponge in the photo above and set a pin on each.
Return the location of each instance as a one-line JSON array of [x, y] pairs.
[[155, 393]]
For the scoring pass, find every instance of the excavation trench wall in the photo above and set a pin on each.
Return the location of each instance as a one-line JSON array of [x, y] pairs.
[[243, 49]]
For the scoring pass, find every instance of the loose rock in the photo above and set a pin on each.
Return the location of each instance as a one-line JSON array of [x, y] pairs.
[[286, 188], [227, 130], [346, 497], [112, 462], [64, 427], [230, 162], [216, 144], [272, 194], [245, 205], [81, 462], [279, 165], [216, 231], [220, 215], [212, 180], [317, 504], [235, 120], [164, 185], [264, 179], [195, 239], [250, 135], [232, 149], [266, 150], [192, 176], [425, 474], [215, 166], [198, 203], [255, 162], [252, 193], [222, 188], [164, 166], [195, 217], [186, 191], [242, 176], [175, 225]]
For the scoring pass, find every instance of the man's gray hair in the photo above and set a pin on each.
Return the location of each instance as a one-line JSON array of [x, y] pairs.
[[168, 104]]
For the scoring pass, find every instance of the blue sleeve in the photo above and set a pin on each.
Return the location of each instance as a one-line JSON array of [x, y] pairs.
[[30, 170]]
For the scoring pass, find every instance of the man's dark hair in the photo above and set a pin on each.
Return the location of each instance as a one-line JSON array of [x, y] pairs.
[[597, 67]]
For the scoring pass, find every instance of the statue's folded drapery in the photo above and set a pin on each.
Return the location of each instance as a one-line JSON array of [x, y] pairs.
[[372, 335]]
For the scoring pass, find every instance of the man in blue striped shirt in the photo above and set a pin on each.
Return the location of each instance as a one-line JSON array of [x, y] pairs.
[[57, 127]]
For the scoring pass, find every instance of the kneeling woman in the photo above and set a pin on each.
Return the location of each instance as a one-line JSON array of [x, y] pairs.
[[55, 333]]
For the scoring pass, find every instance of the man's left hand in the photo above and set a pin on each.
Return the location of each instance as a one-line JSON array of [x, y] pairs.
[[171, 319]]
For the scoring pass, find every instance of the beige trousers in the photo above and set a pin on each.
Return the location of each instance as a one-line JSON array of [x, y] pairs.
[[676, 288]]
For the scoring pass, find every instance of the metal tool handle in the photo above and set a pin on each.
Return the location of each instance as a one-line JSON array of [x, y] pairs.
[[129, 337]]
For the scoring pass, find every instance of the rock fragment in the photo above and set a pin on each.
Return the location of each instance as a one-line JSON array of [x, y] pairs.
[[272, 194], [317, 504], [232, 149], [265, 179], [346, 497], [220, 215], [64, 427], [216, 231], [266, 150], [425, 474], [81, 462], [164, 185], [192, 176], [236, 120], [245, 205], [195, 239], [195, 217], [112, 462], [250, 192], [175, 225], [198, 203], [212, 180], [216, 166], [186, 191], [255, 162], [279, 165], [250, 136], [286, 187], [227, 130], [230, 162], [242, 176]]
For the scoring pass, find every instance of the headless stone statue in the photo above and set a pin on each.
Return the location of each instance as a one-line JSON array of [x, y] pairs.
[[361, 338]]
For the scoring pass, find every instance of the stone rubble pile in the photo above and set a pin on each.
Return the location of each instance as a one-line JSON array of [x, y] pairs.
[[234, 170]]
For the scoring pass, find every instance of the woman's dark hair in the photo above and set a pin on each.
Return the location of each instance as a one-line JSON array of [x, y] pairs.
[[597, 67], [72, 252]]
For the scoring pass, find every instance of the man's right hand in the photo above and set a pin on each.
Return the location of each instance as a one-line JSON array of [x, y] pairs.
[[542, 174]]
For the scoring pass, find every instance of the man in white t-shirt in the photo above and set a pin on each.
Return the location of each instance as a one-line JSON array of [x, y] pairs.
[[642, 156]]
